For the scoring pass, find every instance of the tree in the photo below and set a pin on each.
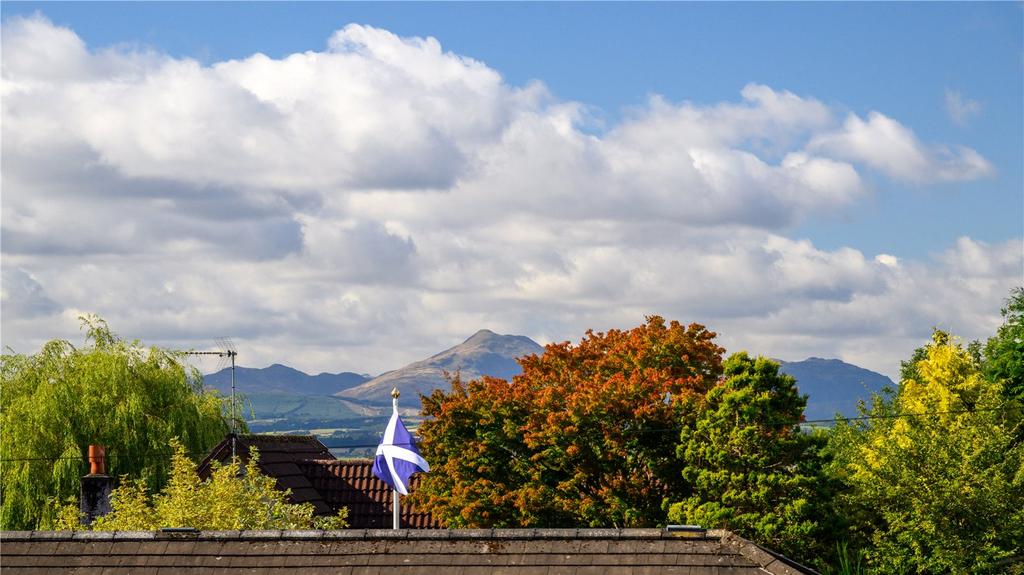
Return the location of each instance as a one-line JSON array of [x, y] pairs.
[[751, 469], [584, 436], [936, 474], [110, 392], [1004, 352], [232, 498]]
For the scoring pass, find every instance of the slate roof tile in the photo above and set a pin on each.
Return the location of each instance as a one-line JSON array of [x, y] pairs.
[[351, 483], [574, 552]]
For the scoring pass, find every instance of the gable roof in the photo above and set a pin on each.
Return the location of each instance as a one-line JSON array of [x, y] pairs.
[[279, 457], [404, 551], [305, 465]]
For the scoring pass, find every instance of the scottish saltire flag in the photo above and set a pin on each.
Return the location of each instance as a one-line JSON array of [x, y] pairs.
[[397, 457]]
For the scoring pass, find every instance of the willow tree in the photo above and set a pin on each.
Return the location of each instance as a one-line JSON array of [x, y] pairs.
[[110, 392]]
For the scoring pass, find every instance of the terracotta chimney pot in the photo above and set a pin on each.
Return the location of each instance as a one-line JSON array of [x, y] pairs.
[[97, 460]]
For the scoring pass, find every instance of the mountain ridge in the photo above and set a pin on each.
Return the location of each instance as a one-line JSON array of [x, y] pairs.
[[280, 378], [483, 353], [833, 386]]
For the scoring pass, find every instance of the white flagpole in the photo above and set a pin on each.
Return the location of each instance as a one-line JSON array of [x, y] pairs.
[[394, 506], [394, 492]]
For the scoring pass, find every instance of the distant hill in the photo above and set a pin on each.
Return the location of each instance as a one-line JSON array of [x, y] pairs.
[[485, 353], [833, 386], [280, 397], [282, 379], [278, 405]]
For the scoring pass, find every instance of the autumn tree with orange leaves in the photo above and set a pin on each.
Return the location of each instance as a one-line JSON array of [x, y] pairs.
[[586, 435]]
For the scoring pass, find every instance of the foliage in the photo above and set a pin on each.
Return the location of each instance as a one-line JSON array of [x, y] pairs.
[[111, 392], [1004, 352], [936, 475], [585, 435], [232, 498], [751, 469], [847, 562]]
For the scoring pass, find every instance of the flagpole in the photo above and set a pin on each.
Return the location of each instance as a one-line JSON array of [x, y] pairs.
[[394, 492]]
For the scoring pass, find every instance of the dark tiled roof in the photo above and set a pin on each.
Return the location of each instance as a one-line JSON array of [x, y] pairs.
[[371, 551], [304, 465], [279, 458], [352, 484]]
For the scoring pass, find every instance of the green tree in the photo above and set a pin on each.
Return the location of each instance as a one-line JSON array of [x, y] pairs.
[[1004, 352], [750, 468], [232, 498], [110, 392], [936, 477], [585, 435]]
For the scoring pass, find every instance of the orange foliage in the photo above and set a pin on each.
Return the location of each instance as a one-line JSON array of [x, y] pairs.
[[585, 435]]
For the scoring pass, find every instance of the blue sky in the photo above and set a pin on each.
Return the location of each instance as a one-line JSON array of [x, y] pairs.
[[947, 74]]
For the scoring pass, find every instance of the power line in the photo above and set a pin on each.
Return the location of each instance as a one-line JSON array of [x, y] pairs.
[[624, 432]]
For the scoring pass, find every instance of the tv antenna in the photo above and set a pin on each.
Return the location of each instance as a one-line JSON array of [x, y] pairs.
[[226, 353]]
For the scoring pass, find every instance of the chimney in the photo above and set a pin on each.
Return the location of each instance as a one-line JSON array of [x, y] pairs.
[[95, 496]]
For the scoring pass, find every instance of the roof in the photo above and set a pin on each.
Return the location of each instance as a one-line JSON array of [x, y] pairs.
[[405, 551], [304, 465], [351, 483], [279, 458]]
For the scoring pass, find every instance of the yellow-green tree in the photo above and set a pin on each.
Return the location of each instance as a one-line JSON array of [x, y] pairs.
[[110, 392], [936, 477], [232, 498]]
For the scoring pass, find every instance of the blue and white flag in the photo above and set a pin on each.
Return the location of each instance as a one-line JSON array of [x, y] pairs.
[[397, 457]]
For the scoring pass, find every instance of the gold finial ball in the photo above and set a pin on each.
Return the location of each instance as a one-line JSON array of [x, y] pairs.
[[394, 392]]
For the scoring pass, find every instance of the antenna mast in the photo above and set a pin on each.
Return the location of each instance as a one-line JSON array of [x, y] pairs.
[[228, 351]]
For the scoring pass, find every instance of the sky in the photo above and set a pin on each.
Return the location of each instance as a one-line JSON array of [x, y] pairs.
[[353, 187]]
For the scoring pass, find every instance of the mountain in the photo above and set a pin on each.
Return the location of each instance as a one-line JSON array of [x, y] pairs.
[[833, 385], [275, 405], [280, 397], [282, 379], [485, 353]]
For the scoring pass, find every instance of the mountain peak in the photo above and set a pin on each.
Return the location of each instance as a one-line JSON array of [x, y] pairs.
[[484, 353], [281, 367], [481, 335]]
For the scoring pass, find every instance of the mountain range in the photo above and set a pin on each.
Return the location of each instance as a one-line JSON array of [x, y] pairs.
[[484, 353], [283, 398], [281, 378]]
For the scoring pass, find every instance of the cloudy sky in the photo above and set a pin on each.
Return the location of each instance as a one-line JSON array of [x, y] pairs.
[[354, 187]]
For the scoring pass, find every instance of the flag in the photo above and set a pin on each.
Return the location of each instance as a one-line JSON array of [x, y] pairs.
[[397, 457]]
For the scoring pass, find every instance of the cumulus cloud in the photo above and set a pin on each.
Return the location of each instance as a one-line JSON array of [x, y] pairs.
[[890, 147], [374, 110], [365, 205]]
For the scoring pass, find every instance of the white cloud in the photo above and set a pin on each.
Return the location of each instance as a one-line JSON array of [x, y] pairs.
[[961, 110], [375, 110], [370, 204], [890, 147]]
